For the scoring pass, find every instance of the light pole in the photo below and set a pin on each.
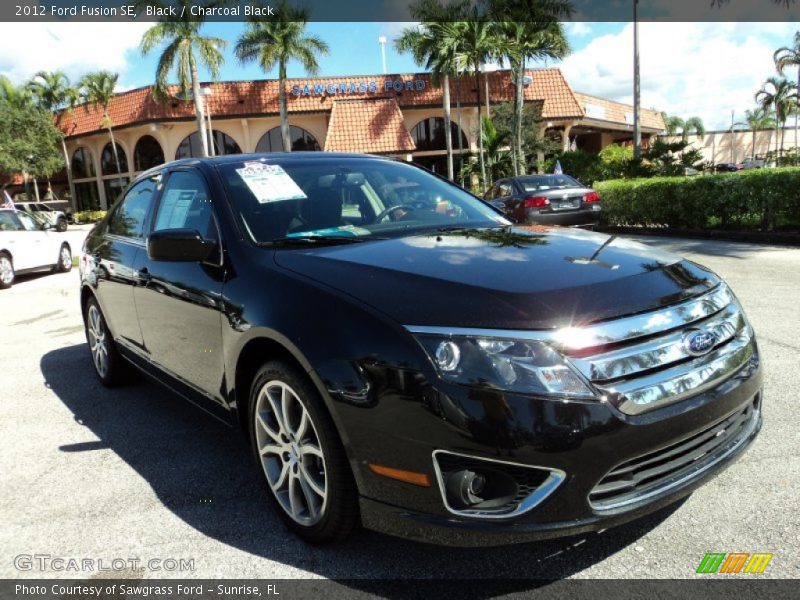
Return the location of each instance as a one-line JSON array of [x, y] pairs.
[[208, 92], [382, 42], [733, 139], [637, 128]]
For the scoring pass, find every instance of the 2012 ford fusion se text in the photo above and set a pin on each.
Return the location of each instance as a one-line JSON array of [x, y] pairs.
[[401, 356]]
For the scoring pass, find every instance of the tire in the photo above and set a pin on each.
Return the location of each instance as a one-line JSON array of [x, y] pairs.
[[7, 274], [61, 224], [109, 366], [64, 264], [307, 475]]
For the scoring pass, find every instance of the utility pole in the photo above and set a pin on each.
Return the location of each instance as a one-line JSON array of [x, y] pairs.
[[382, 42], [637, 128], [733, 139]]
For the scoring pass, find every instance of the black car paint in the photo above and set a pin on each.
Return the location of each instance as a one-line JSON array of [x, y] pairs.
[[338, 312]]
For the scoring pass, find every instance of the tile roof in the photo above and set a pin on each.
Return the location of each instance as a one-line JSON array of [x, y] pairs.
[[250, 98], [615, 111], [374, 125]]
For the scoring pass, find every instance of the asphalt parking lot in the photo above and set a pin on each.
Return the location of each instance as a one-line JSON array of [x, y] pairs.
[[136, 472]]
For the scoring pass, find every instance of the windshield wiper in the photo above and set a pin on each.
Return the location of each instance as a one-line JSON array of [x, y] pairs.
[[308, 240], [466, 228]]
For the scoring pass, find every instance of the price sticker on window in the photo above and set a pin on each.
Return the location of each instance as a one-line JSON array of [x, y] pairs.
[[269, 183]]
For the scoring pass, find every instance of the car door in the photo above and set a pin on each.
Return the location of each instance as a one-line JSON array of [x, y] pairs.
[[179, 303], [36, 244], [14, 239], [112, 256], [505, 196]]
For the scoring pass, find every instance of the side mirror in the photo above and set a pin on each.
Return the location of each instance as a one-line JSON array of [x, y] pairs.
[[185, 245]]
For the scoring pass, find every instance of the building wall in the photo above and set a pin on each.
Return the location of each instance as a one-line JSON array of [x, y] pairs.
[[724, 147]]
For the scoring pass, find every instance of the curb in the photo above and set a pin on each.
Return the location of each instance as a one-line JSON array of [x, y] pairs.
[[751, 237]]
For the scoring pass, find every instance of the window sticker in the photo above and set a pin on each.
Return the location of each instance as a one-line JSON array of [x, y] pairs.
[[269, 183]]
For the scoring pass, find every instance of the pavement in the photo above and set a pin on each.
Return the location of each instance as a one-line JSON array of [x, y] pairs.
[[136, 473]]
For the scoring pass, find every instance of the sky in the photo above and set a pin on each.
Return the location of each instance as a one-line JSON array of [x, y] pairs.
[[687, 69]]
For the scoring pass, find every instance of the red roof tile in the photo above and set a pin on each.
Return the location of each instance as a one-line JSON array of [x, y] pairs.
[[615, 111], [373, 125], [249, 98]]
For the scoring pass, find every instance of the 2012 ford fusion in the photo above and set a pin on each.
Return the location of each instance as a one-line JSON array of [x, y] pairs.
[[399, 355]]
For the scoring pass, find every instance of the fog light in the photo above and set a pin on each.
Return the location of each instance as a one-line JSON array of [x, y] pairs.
[[447, 356], [464, 486]]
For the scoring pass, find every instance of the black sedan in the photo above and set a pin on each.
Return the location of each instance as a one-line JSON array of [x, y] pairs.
[[399, 355], [546, 199]]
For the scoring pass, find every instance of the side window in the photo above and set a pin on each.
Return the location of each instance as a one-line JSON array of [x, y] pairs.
[[504, 189], [492, 193], [129, 217], [9, 221], [28, 224], [186, 204]]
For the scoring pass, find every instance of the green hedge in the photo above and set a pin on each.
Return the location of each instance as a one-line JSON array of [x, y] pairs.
[[88, 216], [765, 199]]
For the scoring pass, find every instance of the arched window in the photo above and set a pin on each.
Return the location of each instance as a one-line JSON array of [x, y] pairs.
[[428, 134], [301, 140], [147, 154], [192, 145], [108, 164], [82, 164]]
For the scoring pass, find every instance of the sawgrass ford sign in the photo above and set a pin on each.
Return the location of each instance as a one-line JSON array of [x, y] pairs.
[[358, 87]]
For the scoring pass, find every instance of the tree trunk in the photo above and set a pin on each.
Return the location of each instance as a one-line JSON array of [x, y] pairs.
[[480, 125], [448, 137], [520, 114], [796, 114], [70, 185], [199, 111], [486, 87], [285, 137], [114, 150], [460, 129]]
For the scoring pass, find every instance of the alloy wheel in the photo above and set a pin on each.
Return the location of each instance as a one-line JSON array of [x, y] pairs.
[[66, 258], [291, 453], [6, 270], [97, 340]]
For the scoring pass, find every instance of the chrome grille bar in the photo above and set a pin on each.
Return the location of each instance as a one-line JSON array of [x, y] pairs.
[[657, 352], [641, 394]]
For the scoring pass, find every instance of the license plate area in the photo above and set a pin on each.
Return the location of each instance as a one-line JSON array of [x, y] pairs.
[[565, 203]]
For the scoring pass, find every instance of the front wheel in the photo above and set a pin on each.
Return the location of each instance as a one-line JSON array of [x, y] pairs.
[[301, 456], [7, 274], [61, 224]]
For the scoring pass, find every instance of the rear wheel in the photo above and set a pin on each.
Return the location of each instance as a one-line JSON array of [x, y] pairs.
[[7, 274], [301, 456], [108, 364], [64, 263], [61, 224]]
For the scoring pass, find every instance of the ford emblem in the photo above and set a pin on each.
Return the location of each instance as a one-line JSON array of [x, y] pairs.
[[698, 342]]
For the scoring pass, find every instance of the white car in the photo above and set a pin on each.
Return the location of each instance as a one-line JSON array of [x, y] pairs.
[[26, 247], [52, 212]]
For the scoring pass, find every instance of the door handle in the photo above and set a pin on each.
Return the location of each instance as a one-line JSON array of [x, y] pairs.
[[143, 275]]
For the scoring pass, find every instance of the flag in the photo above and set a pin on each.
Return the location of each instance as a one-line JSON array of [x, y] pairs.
[[557, 170], [7, 202]]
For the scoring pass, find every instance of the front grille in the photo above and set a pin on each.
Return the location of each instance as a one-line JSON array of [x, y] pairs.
[[644, 362], [661, 470]]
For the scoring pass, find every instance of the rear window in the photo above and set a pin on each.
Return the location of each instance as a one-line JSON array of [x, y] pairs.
[[548, 182]]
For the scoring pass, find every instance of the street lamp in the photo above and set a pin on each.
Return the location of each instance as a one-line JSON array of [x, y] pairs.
[[382, 41], [208, 92], [637, 128]]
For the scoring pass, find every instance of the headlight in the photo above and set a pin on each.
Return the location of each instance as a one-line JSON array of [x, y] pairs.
[[514, 365]]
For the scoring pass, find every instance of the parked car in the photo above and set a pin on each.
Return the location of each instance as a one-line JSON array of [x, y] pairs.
[[53, 212], [27, 246], [754, 162], [728, 167], [546, 199], [398, 354]]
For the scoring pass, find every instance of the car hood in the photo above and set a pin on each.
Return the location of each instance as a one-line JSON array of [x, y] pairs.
[[513, 278]]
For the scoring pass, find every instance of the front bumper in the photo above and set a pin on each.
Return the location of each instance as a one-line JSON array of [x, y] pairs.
[[585, 440]]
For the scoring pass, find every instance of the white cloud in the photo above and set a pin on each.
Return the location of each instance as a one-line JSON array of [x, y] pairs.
[[578, 29], [687, 69], [73, 47]]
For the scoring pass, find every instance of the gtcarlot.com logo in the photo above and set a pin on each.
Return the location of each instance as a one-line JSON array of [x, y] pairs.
[[47, 562], [734, 562]]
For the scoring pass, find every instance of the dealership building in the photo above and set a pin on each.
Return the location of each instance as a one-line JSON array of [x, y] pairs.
[[394, 115]]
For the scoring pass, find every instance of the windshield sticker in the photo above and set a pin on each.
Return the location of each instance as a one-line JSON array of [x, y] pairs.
[[269, 183]]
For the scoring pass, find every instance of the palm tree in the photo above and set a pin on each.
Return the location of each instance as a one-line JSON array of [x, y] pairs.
[[672, 125], [14, 95], [276, 42], [779, 95], [693, 124], [477, 45], [184, 48], [54, 94], [758, 118], [98, 89], [499, 161], [785, 57]]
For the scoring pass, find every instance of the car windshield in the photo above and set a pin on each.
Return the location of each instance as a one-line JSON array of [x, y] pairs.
[[340, 198], [548, 182]]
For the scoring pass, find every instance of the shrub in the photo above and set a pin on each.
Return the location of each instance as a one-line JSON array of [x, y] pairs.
[[765, 199], [88, 216]]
